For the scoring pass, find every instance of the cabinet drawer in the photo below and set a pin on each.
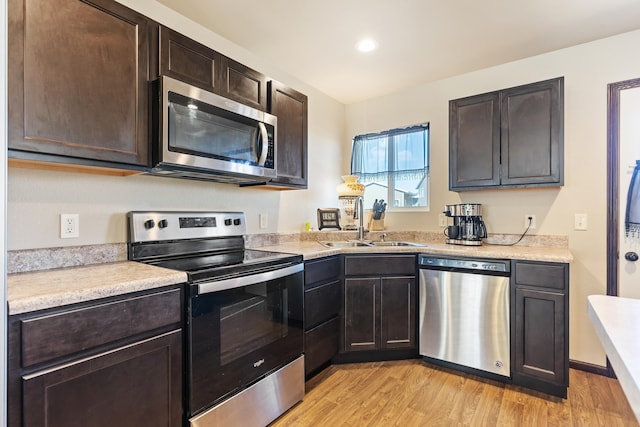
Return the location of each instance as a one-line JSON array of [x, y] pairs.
[[320, 345], [321, 303], [544, 275], [380, 265], [61, 334], [321, 270]]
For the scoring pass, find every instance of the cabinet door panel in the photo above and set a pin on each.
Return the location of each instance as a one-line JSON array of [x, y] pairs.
[[243, 84], [361, 314], [540, 335], [397, 308], [531, 134], [290, 107], [186, 60], [474, 141], [78, 80], [132, 386]]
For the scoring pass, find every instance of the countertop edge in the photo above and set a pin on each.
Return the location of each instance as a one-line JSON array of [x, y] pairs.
[[616, 345], [66, 285], [312, 250]]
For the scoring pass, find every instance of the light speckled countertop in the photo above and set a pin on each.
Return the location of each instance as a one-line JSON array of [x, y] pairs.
[[37, 290], [53, 288], [311, 250]]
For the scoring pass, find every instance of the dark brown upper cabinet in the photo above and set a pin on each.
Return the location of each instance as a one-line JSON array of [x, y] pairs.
[[290, 106], [78, 83], [243, 84], [508, 138], [191, 62], [474, 141]]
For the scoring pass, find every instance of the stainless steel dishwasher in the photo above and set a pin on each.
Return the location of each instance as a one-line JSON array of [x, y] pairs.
[[464, 313]]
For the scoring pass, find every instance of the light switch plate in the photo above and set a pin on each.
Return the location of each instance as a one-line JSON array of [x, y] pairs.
[[442, 220], [264, 220], [580, 222]]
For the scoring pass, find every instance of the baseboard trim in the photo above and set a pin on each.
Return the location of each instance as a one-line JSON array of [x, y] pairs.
[[590, 367]]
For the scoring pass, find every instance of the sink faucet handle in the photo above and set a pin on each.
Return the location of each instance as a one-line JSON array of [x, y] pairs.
[[383, 236]]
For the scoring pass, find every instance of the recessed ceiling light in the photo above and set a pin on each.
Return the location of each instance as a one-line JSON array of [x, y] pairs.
[[366, 45]]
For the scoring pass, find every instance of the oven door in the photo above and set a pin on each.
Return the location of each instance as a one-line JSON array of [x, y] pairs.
[[241, 329]]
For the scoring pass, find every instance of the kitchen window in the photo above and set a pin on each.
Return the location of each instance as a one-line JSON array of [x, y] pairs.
[[394, 166]]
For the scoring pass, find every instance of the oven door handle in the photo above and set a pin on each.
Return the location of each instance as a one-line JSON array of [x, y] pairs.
[[252, 279]]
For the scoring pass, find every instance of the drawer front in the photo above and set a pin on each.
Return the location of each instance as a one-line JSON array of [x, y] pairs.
[[544, 275], [65, 333], [380, 265], [321, 303], [321, 270], [320, 345]]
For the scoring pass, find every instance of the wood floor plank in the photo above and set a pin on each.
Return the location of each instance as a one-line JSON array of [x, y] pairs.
[[411, 393]]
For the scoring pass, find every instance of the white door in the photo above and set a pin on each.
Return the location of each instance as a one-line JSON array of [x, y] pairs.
[[628, 271]]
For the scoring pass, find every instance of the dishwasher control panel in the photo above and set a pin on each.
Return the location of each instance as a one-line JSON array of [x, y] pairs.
[[497, 265]]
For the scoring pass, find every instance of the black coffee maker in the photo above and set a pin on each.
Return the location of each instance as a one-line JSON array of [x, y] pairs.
[[468, 227]]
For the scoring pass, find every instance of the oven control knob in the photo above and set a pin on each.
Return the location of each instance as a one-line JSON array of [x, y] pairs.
[[227, 222], [236, 221], [149, 224], [162, 223]]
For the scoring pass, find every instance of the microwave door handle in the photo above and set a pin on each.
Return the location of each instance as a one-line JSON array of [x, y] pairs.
[[264, 137]]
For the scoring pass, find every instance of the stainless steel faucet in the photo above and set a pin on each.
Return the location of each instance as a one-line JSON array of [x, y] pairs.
[[360, 218]]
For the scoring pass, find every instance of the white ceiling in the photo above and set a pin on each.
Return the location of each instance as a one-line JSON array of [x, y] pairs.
[[419, 40]]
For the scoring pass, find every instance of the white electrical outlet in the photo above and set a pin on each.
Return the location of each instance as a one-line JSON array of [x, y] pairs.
[[264, 220], [533, 221], [580, 222], [69, 226]]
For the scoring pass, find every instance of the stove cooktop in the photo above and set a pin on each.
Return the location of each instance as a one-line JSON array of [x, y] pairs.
[[205, 245], [202, 267]]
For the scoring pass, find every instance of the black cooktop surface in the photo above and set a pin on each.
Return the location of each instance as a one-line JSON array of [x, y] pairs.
[[216, 265]]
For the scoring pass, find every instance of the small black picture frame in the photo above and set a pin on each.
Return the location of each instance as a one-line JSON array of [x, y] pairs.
[[329, 218]]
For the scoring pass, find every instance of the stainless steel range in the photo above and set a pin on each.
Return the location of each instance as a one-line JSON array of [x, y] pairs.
[[244, 314]]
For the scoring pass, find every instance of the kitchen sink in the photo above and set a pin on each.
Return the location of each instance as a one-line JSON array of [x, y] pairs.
[[366, 243], [395, 243], [346, 244]]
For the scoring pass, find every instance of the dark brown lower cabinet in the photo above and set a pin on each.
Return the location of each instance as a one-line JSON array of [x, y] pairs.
[[540, 333], [135, 385], [379, 313], [361, 314], [321, 344], [397, 312], [321, 309], [110, 362]]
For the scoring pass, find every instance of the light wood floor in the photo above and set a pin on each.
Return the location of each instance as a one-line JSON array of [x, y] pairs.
[[412, 393]]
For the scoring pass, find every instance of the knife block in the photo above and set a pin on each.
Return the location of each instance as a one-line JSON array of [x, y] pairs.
[[376, 224]]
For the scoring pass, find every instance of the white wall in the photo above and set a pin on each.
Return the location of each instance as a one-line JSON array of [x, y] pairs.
[[587, 70], [37, 198]]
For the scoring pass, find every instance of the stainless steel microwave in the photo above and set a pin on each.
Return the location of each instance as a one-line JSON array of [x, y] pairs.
[[201, 135]]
